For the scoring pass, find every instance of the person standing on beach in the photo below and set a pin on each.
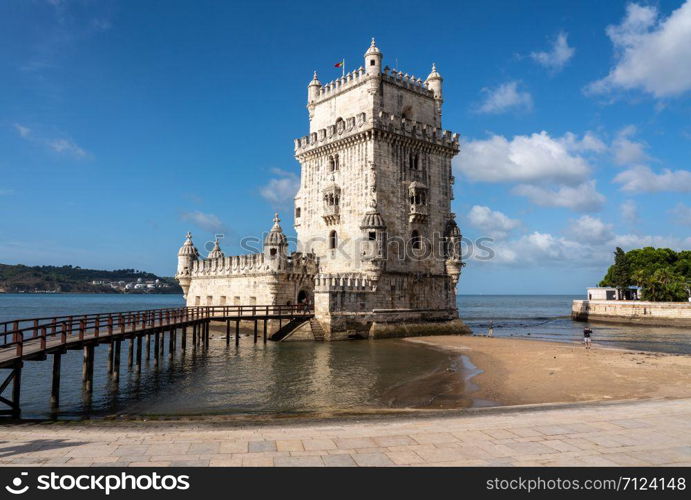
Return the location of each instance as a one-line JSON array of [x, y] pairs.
[[490, 330], [586, 337]]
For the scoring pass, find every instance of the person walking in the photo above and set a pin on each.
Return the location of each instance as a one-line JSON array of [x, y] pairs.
[[587, 332], [490, 330]]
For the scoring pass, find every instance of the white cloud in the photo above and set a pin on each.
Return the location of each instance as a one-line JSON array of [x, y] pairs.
[[24, 132], [589, 143], [629, 211], [626, 151], [526, 159], [652, 54], [207, 222], [538, 249], [544, 249], [641, 179], [65, 146], [281, 190], [505, 97], [590, 230], [682, 214], [581, 198], [62, 146], [494, 223], [556, 58]]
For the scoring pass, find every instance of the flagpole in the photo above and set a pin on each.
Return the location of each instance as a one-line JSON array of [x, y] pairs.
[[343, 68]]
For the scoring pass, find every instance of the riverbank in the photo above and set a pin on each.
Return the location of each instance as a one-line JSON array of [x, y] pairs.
[[519, 372]]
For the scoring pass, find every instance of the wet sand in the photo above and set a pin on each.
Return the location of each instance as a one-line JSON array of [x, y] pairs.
[[518, 372]]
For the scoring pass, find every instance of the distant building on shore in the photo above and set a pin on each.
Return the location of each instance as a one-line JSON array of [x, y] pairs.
[[378, 246], [611, 293]]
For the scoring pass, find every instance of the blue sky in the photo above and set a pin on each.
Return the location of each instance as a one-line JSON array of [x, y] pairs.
[[123, 124]]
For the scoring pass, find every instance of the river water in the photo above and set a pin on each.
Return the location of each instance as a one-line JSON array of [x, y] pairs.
[[288, 378]]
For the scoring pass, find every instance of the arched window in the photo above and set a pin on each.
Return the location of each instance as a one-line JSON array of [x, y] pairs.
[[298, 211], [332, 164], [333, 240], [415, 240], [336, 163]]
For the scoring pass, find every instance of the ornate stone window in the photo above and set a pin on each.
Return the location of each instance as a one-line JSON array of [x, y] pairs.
[[333, 240], [417, 197], [414, 161], [298, 212], [333, 163], [332, 201]]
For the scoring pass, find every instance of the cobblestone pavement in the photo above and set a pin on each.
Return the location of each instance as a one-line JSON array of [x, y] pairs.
[[622, 434]]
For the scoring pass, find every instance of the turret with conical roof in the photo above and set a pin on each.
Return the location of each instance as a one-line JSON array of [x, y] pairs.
[[433, 82], [187, 255], [373, 59], [276, 245], [216, 252]]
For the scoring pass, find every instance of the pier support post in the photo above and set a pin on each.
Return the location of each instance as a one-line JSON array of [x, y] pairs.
[[227, 332], [194, 335], [170, 345], [265, 321], [157, 345], [88, 368], [55, 388], [138, 365], [130, 353], [255, 330], [237, 332], [148, 346], [184, 338], [110, 356], [116, 360]]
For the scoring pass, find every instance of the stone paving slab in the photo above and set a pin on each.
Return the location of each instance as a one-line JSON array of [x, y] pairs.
[[635, 433]]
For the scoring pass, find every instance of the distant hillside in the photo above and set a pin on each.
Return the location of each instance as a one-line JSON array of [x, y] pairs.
[[74, 279]]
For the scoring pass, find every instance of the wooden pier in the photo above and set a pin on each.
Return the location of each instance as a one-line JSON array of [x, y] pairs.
[[34, 339]]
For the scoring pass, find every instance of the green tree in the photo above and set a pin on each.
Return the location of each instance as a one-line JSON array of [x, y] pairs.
[[661, 285], [621, 274]]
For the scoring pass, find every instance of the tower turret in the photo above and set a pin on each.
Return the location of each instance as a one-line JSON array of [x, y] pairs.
[[434, 83], [216, 252], [313, 88], [374, 240], [276, 245], [187, 255], [373, 59]]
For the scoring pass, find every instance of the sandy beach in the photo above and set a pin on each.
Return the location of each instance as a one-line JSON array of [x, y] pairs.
[[518, 372]]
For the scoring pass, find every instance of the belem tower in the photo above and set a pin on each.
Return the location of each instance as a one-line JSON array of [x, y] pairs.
[[378, 249]]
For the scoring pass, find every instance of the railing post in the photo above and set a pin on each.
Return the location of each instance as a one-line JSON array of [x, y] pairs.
[[43, 338]]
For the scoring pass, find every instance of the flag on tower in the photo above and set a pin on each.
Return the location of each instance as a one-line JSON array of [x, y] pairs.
[[339, 64]]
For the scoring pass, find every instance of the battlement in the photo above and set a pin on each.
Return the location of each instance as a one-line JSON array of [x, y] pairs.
[[387, 122], [359, 76], [256, 263], [340, 85], [344, 281], [409, 82]]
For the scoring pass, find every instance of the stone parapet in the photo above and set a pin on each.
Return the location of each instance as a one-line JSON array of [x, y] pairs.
[[619, 311]]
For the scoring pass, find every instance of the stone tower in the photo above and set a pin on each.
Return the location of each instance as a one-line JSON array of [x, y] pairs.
[[374, 204]]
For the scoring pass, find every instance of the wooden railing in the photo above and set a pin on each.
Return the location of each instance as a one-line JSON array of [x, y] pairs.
[[67, 328]]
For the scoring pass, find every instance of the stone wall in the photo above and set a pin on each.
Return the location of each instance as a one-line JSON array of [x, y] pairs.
[[616, 311]]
